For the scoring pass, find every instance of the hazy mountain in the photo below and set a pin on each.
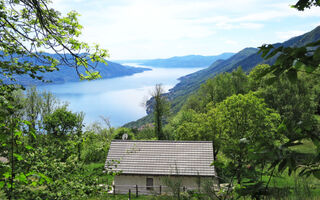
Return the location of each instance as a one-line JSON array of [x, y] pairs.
[[190, 61], [68, 74]]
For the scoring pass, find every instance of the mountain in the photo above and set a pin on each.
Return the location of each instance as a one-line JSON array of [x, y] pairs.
[[190, 61], [68, 74], [247, 58]]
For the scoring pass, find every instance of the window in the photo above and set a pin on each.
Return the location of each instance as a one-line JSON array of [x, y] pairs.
[[149, 183]]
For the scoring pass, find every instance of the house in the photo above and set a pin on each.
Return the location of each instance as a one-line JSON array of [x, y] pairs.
[[146, 165]]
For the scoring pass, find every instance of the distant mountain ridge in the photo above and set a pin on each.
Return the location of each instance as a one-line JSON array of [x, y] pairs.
[[247, 58], [189, 61], [68, 74]]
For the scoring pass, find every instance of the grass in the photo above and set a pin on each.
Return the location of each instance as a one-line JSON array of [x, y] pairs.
[[307, 147], [284, 186], [294, 186], [120, 197]]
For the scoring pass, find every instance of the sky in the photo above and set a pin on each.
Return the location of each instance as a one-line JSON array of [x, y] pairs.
[[147, 29]]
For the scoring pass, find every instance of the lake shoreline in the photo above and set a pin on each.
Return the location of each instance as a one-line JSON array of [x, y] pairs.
[[119, 98]]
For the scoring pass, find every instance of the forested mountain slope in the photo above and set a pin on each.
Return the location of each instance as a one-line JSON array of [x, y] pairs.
[[246, 58]]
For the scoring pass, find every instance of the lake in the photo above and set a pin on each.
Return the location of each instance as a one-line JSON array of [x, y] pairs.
[[119, 99]]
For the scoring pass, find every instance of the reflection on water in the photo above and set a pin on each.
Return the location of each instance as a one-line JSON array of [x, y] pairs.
[[120, 99]]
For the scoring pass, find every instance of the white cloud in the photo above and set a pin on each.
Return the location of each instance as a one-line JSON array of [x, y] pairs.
[[232, 42], [229, 25], [285, 35], [153, 28]]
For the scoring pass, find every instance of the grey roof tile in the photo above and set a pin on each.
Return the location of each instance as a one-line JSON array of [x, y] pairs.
[[190, 158]]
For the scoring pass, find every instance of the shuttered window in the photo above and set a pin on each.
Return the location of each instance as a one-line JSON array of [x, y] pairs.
[[149, 183]]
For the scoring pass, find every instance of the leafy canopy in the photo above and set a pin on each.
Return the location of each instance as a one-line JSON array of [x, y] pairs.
[[290, 60], [30, 27]]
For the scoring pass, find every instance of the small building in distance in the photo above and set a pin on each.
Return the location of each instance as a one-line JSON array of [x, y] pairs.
[[148, 166]]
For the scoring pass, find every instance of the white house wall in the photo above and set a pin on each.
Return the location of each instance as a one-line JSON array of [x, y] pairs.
[[125, 182]]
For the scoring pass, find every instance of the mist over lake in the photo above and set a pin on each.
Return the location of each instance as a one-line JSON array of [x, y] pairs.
[[119, 99]]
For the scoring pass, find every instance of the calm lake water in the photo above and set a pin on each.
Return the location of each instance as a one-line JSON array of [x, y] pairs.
[[119, 99]]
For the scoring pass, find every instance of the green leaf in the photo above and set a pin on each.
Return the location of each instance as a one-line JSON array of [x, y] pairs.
[[274, 52], [316, 174], [265, 49], [44, 177], [27, 123], [7, 175], [309, 69], [298, 65], [271, 80], [316, 142], [2, 184], [316, 55], [282, 165], [292, 75], [18, 133], [19, 157], [22, 178]]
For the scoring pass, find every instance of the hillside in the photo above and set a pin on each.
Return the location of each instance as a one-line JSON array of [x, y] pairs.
[[68, 74], [190, 61], [246, 58]]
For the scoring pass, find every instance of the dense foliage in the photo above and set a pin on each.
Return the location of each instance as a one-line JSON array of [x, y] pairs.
[[39, 146], [48, 157]]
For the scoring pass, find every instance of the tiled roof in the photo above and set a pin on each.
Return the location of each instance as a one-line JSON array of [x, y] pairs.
[[190, 158]]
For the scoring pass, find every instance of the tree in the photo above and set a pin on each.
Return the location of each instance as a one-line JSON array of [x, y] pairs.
[[49, 103], [247, 126], [295, 104], [239, 81], [62, 122], [33, 102], [27, 27], [161, 109], [10, 122], [118, 134], [96, 143], [35, 106], [303, 4], [218, 89], [290, 60], [189, 125]]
